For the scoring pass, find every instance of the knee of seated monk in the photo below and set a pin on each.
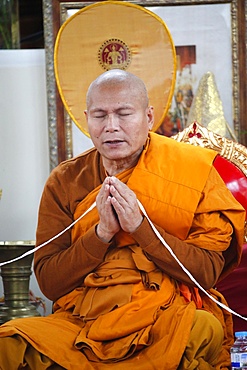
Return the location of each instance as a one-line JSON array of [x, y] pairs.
[[205, 342], [208, 328]]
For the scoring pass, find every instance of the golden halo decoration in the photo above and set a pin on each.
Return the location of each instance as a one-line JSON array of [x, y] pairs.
[[114, 34]]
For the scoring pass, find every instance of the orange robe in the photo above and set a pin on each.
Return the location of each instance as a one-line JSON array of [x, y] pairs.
[[129, 310]]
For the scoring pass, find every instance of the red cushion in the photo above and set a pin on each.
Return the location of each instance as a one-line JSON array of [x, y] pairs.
[[234, 289], [234, 179], [234, 286]]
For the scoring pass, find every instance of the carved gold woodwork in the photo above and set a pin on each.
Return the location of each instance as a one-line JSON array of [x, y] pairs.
[[236, 153], [198, 135]]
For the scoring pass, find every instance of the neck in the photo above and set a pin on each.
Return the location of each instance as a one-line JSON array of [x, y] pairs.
[[113, 167]]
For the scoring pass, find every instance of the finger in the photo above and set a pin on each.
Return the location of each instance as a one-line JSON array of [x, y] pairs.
[[119, 185], [103, 194], [127, 200], [121, 191]]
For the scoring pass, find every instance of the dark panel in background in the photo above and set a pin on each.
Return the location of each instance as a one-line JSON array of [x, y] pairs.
[[31, 24]]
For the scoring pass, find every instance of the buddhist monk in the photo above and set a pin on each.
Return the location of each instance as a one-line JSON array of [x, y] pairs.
[[148, 210]]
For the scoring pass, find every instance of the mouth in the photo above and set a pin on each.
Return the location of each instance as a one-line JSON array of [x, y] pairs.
[[113, 142]]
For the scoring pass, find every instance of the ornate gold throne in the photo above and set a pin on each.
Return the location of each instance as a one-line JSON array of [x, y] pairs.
[[232, 166]]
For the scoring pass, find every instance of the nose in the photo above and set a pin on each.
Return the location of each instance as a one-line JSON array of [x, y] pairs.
[[112, 123]]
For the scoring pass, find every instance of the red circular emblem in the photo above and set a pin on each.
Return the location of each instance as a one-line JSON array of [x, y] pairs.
[[114, 53]]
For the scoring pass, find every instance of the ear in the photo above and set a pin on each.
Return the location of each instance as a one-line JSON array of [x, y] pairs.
[[150, 115], [85, 112]]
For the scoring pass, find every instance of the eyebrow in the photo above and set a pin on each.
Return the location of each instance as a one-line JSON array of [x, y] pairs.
[[96, 110], [125, 107]]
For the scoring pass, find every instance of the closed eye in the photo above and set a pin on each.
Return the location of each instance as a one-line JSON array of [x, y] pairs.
[[99, 115], [125, 112]]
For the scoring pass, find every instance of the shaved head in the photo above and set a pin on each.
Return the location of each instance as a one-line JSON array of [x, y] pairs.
[[116, 77], [119, 118]]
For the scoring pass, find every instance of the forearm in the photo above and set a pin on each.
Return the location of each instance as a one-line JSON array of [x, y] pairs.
[[204, 265], [59, 271], [61, 265]]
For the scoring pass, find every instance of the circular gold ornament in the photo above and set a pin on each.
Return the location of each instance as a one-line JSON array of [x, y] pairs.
[[114, 53]]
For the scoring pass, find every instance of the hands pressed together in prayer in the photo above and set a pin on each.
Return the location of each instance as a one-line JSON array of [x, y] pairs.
[[118, 209]]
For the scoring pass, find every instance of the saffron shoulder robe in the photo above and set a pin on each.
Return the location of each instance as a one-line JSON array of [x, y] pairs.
[[129, 309]]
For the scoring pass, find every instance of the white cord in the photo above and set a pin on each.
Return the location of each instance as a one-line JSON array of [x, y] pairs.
[[50, 240], [184, 268], [157, 234]]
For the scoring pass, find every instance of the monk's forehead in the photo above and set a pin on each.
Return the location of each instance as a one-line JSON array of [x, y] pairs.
[[116, 80]]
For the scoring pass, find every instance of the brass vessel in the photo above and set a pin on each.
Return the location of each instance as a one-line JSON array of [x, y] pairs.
[[16, 280]]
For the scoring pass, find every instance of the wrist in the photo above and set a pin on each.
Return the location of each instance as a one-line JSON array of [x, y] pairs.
[[104, 236], [137, 225]]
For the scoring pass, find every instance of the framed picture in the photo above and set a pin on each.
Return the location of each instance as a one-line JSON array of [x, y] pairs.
[[209, 36]]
